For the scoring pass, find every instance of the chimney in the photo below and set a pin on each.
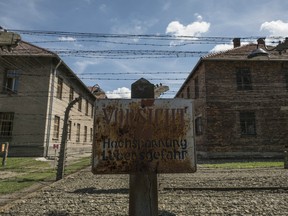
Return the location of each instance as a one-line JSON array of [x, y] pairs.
[[236, 42], [261, 41]]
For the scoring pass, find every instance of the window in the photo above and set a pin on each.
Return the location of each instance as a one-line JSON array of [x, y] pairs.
[[56, 127], [196, 83], [59, 88], [188, 92], [85, 133], [80, 104], [6, 124], [91, 134], [86, 107], [78, 133], [198, 126], [11, 81], [69, 130], [71, 94], [92, 111], [243, 78], [247, 123]]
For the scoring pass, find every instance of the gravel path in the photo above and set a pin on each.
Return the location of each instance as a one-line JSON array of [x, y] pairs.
[[262, 191]]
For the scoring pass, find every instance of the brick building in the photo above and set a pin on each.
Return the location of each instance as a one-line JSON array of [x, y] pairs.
[[240, 103], [36, 87]]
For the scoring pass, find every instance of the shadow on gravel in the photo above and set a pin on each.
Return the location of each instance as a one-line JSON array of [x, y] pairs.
[[166, 213], [92, 190]]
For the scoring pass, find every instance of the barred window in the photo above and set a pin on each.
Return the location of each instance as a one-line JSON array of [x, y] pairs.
[[85, 133], [59, 88], [56, 127], [198, 126], [243, 78], [248, 123], [71, 94], [86, 107], [78, 133], [6, 124]]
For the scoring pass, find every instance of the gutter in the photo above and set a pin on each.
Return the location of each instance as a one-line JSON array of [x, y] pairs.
[[50, 108]]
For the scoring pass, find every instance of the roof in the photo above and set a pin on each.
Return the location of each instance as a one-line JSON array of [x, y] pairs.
[[237, 54], [242, 52], [27, 49]]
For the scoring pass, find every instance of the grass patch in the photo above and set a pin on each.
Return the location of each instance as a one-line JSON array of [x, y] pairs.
[[10, 186], [80, 164], [245, 165], [25, 164], [24, 172]]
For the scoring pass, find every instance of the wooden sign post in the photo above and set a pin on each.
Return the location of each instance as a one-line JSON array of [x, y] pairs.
[[143, 191], [143, 136]]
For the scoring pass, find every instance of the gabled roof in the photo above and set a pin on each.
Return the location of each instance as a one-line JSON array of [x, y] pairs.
[[27, 49], [237, 54]]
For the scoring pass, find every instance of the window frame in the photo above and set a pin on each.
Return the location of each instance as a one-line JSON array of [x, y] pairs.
[[56, 127], [86, 107], [91, 134], [78, 130], [85, 133], [6, 122], [71, 94], [11, 81], [198, 126], [243, 79], [59, 92], [247, 121]]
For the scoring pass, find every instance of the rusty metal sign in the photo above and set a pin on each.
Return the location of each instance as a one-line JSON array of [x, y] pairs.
[[140, 135]]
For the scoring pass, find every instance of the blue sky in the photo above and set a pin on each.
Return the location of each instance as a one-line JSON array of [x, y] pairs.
[[198, 18]]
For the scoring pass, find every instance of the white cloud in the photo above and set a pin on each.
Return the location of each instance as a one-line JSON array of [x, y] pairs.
[[222, 47], [225, 47], [122, 92], [276, 28], [82, 65], [193, 29]]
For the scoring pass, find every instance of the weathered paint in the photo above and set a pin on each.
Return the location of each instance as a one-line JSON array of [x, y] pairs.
[[143, 135]]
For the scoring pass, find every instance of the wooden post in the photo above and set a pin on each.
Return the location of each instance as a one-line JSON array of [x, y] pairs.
[[4, 149], [143, 192], [286, 158]]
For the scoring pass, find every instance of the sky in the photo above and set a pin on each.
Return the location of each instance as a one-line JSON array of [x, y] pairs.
[[194, 27]]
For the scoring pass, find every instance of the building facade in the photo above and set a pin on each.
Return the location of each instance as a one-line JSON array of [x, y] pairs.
[[240, 103], [36, 88]]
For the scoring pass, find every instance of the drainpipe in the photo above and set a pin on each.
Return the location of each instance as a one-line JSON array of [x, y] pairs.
[[50, 108]]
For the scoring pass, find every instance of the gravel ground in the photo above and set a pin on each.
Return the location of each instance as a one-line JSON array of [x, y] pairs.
[[262, 191]]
